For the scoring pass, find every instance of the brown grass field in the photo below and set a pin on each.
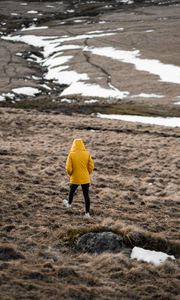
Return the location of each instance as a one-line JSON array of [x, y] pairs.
[[134, 192]]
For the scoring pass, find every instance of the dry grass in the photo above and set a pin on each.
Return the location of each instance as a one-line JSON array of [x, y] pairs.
[[134, 192]]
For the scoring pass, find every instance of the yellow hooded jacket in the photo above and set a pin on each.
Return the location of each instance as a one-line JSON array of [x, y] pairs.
[[79, 164]]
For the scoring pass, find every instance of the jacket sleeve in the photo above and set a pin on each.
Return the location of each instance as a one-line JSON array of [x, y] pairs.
[[90, 165], [69, 167]]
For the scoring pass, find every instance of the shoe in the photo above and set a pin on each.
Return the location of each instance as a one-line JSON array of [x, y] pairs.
[[87, 215], [65, 202]]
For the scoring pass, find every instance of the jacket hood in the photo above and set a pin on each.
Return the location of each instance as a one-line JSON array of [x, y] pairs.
[[78, 144]]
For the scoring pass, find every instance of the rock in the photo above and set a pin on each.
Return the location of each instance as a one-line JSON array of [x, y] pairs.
[[100, 242], [8, 253], [3, 152], [7, 228]]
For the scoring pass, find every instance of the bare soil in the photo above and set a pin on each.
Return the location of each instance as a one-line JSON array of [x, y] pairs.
[[134, 193]]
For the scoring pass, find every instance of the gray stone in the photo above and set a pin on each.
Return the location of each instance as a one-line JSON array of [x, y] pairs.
[[100, 242]]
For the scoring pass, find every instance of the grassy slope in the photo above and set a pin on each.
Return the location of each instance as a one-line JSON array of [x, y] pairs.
[[135, 192]]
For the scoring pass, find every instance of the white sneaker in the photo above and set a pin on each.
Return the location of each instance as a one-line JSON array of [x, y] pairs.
[[87, 215], [66, 203]]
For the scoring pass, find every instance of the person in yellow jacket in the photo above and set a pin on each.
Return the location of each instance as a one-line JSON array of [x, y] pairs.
[[79, 166]]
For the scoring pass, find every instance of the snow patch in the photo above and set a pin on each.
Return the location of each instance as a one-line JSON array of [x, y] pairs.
[[66, 100], [149, 256], [90, 101], [170, 122], [2, 98], [126, 1], [34, 27], [166, 72], [144, 95], [65, 77], [29, 91], [32, 12], [93, 90]]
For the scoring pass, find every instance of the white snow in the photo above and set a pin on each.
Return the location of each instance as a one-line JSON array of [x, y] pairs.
[[54, 61], [53, 48], [66, 77], [34, 27], [149, 256], [29, 91], [32, 12], [52, 41], [126, 1], [171, 122], [66, 100], [9, 95], [19, 54], [144, 95], [91, 101], [93, 90], [67, 47], [2, 98], [56, 65], [46, 86], [166, 72], [78, 21]]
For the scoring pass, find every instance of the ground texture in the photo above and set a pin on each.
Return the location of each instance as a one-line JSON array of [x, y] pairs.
[[134, 193], [152, 30]]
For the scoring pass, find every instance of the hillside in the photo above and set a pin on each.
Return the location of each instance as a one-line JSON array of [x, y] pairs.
[[134, 192]]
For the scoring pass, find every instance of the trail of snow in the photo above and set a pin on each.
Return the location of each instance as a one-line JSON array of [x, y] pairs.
[[93, 90], [171, 122], [166, 72], [34, 27], [57, 69]]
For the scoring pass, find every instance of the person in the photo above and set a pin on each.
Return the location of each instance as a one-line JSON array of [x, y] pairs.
[[79, 166]]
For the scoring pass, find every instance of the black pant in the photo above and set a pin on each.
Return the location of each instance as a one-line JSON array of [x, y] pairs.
[[85, 189]]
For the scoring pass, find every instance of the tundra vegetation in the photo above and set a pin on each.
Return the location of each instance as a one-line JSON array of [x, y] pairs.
[[134, 192]]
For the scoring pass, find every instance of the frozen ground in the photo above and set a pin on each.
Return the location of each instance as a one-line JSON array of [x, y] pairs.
[[121, 57]]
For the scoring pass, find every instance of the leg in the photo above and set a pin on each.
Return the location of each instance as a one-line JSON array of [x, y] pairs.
[[85, 189], [72, 190]]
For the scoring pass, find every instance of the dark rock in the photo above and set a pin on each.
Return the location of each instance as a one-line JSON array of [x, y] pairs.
[[8, 253], [7, 228], [3, 152], [100, 242]]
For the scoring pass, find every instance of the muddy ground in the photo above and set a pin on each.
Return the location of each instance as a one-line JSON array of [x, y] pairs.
[[134, 192]]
